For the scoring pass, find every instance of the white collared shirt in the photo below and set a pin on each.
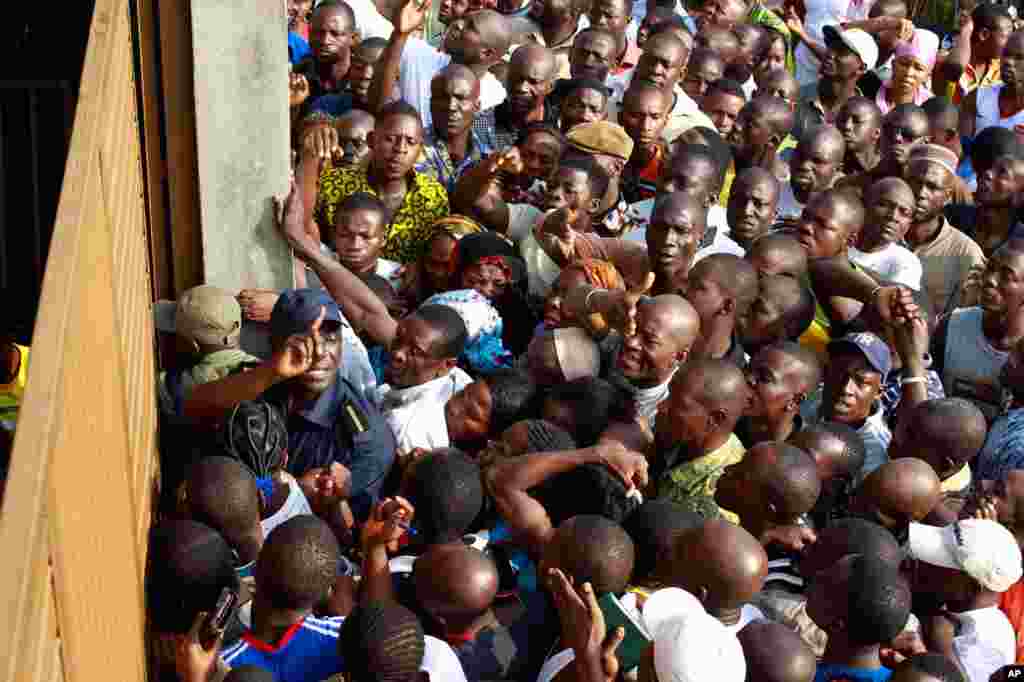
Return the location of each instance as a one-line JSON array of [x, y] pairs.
[[416, 414]]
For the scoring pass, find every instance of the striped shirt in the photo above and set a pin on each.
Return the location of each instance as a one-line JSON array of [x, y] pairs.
[[307, 651], [782, 572]]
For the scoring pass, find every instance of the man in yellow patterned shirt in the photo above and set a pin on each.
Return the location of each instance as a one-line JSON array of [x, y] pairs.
[[694, 434], [415, 200]]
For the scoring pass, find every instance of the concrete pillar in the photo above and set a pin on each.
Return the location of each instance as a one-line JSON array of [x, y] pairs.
[[240, 77]]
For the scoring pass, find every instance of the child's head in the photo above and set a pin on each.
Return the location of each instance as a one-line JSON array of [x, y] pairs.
[[448, 495], [654, 528], [775, 653], [207, 319], [721, 564], [585, 406], [781, 376], [221, 493], [190, 565], [778, 254], [455, 585], [838, 452], [585, 100], [947, 433], [382, 641], [860, 600], [721, 287], [898, 492], [360, 226], [783, 310], [255, 434], [590, 548], [850, 536], [298, 565], [489, 405], [774, 484]]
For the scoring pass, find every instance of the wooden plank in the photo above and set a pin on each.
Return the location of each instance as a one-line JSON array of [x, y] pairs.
[[154, 167], [180, 133], [73, 500]]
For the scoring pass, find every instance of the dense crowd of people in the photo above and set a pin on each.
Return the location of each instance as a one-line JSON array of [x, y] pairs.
[[629, 340]]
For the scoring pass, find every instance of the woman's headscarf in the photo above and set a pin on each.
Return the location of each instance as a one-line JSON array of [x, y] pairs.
[[484, 352], [488, 248]]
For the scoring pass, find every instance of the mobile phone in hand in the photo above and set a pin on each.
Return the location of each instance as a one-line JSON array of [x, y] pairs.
[[218, 618]]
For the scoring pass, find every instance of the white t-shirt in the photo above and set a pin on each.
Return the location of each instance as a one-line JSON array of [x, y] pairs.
[[893, 262], [369, 21], [295, 505], [416, 414], [420, 63], [986, 643], [440, 662]]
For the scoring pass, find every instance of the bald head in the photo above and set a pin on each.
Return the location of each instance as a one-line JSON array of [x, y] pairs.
[[947, 433], [532, 55], [758, 177], [670, 205], [775, 653], [721, 564], [886, 185], [680, 319], [850, 536], [898, 492], [721, 383], [455, 583], [720, 40], [222, 493], [775, 483], [778, 254]]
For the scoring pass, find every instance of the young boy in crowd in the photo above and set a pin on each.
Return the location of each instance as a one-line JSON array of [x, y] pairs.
[[838, 452], [781, 376], [720, 288], [724, 566], [897, 493], [774, 653], [295, 571], [861, 602]]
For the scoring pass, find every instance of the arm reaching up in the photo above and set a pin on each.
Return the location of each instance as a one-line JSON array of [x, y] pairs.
[[362, 307], [409, 16]]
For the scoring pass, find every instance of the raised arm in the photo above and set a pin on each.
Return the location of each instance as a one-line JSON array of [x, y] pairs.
[[363, 308], [508, 480], [952, 67], [476, 193], [409, 16], [796, 27]]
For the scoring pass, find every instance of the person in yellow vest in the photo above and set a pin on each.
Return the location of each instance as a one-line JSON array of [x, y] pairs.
[[13, 374]]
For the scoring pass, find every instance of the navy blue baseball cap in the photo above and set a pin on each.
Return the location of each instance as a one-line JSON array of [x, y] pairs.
[[874, 349], [296, 309]]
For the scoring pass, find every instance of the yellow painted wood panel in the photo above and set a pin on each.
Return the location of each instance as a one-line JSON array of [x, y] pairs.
[[80, 491]]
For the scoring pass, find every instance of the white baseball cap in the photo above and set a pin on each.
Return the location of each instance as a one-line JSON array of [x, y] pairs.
[[689, 644], [857, 40], [981, 548]]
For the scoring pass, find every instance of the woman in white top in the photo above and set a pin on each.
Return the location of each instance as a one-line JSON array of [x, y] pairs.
[[999, 105]]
